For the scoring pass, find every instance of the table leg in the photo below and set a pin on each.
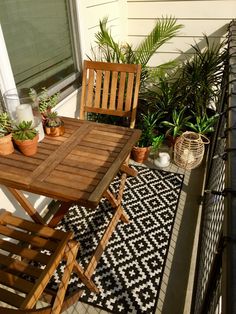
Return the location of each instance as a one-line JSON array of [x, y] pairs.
[[63, 209], [31, 211]]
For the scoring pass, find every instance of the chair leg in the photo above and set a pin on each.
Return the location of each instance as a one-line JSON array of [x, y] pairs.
[[71, 253]]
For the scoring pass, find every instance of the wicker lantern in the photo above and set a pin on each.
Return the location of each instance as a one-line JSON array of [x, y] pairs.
[[189, 150]]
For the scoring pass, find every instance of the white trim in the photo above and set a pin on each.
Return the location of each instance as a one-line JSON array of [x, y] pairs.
[[6, 75]]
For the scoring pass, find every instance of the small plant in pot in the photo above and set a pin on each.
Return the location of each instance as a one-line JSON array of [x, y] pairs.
[[147, 124], [54, 126], [161, 158], [6, 144], [47, 103], [25, 136]]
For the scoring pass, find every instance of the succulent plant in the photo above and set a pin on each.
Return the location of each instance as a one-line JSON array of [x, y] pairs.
[[5, 124], [52, 119], [46, 102], [24, 131]]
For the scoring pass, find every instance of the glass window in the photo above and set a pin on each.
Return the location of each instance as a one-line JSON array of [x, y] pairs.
[[38, 39]]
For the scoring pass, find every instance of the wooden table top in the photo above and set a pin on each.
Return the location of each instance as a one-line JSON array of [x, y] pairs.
[[78, 166]]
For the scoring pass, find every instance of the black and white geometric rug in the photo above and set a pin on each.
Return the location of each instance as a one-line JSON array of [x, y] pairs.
[[130, 270]]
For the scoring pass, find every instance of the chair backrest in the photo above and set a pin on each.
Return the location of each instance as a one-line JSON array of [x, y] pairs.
[[110, 88]]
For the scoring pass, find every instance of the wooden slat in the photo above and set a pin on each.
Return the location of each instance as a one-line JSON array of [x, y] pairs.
[[43, 231], [129, 93], [24, 252], [76, 170], [89, 100], [105, 92], [113, 90], [19, 266], [121, 91], [28, 238], [10, 298], [97, 98], [15, 282]]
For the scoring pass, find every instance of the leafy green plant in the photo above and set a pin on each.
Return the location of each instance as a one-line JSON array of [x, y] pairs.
[[46, 102], [177, 122], [201, 76], [111, 51], [52, 119], [24, 131], [203, 125], [147, 124], [5, 124], [157, 142]]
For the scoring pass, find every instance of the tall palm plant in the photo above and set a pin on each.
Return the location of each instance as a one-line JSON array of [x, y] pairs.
[[111, 51]]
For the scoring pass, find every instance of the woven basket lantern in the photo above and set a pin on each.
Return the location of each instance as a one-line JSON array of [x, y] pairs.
[[189, 150]]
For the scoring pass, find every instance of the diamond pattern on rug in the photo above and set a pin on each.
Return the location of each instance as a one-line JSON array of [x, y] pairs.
[[130, 270]]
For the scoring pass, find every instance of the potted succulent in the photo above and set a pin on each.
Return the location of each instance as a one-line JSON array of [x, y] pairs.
[[6, 144], [25, 136], [47, 103], [53, 125], [160, 158]]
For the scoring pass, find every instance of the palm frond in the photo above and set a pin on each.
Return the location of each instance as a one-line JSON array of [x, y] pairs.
[[165, 29]]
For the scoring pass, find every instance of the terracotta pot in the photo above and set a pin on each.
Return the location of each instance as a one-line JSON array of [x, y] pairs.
[[6, 145], [28, 147], [55, 130], [140, 154]]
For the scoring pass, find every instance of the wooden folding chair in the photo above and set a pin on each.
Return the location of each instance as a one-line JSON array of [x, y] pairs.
[[111, 89], [30, 253]]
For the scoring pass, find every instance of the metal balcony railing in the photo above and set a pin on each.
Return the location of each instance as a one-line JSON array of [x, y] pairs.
[[215, 279]]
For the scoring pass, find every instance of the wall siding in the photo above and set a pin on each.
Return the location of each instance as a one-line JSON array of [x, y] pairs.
[[198, 17]]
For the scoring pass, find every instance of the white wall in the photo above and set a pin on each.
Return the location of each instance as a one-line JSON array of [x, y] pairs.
[[198, 17]]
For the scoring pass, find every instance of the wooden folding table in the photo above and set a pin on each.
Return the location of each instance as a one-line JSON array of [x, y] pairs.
[[76, 167]]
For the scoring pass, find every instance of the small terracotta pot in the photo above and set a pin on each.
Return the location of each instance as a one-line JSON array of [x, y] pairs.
[[6, 145], [140, 154], [28, 147], [55, 130]]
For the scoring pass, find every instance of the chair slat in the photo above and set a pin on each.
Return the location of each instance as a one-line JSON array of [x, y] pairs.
[[14, 265], [105, 92], [89, 101], [10, 298], [113, 91], [129, 93], [121, 92], [43, 231], [97, 97], [15, 282], [30, 254], [28, 238]]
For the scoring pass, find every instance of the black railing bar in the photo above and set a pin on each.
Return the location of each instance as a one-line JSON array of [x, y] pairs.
[[223, 193], [216, 266]]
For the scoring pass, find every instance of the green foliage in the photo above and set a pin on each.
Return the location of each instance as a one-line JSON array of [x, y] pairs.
[[203, 125], [201, 76], [157, 142], [177, 123], [111, 51], [46, 102], [24, 131], [52, 119], [5, 124], [147, 124]]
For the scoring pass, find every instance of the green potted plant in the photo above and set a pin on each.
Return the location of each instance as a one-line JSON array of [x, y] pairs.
[[47, 102], [25, 136], [6, 144], [147, 123], [176, 124], [53, 126], [203, 124]]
